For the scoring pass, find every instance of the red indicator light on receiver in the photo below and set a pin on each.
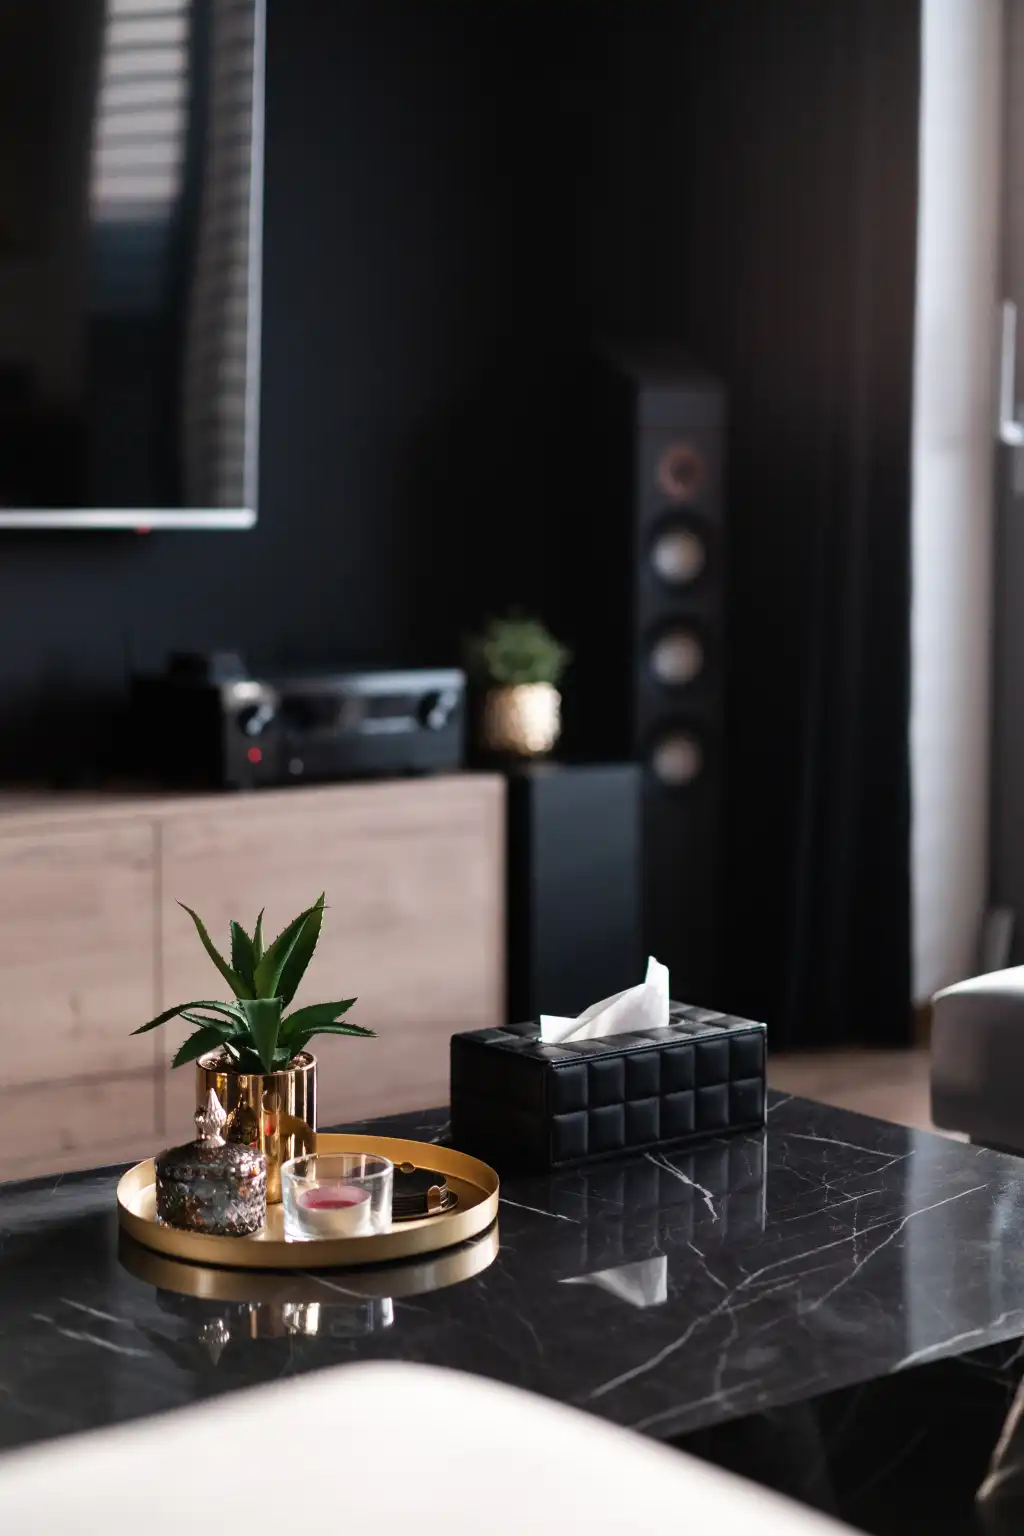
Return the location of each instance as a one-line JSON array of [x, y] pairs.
[[254, 755]]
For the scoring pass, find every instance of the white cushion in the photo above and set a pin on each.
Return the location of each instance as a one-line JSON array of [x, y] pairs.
[[322, 1452]]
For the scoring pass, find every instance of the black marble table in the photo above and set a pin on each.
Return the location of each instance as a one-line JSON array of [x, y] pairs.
[[672, 1293]]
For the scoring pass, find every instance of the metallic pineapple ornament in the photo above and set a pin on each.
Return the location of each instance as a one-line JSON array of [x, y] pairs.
[[210, 1185]]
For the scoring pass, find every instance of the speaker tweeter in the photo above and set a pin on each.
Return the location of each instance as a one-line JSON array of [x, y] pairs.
[[678, 553], [681, 473]]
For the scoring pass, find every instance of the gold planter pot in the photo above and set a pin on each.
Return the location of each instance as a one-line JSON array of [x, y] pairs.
[[522, 721], [275, 1111]]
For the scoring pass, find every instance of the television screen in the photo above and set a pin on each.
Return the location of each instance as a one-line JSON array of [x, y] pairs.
[[130, 218]]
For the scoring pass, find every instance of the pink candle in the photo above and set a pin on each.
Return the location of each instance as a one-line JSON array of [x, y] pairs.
[[334, 1209]]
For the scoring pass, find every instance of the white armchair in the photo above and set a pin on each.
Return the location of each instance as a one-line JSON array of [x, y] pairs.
[[382, 1449]]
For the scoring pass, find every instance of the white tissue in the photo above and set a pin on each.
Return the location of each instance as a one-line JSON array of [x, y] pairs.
[[642, 1007]]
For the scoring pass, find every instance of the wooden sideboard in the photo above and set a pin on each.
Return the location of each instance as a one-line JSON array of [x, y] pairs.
[[92, 943]]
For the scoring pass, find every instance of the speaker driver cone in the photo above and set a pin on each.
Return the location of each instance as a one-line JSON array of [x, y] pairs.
[[676, 759], [678, 555], [677, 657]]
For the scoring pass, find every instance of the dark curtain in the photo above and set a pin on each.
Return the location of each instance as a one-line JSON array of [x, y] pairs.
[[800, 291], [751, 197]]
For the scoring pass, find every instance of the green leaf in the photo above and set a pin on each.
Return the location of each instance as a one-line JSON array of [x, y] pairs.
[[263, 1016], [230, 1041], [228, 1027], [231, 1010], [197, 1045], [267, 980], [257, 936], [239, 986], [303, 1020], [300, 1041], [243, 956], [302, 953]]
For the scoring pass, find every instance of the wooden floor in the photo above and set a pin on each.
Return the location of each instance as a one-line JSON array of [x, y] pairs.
[[892, 1085]]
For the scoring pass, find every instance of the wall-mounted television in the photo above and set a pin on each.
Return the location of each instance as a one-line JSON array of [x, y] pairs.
[[131, 167]]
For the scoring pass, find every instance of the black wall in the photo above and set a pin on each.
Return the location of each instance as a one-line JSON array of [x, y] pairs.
[[402, 278]]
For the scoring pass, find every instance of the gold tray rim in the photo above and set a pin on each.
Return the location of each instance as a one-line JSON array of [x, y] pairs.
[[406, 1239], [401, 1279]]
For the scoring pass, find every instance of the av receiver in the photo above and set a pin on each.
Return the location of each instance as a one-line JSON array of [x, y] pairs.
[[208, 721]]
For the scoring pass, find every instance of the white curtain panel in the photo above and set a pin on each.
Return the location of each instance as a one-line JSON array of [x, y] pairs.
[[953, 463]]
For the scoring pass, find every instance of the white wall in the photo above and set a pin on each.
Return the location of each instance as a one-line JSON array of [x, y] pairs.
[[953, 461]]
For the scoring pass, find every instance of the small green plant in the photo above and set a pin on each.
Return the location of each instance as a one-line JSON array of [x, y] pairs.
[[517, 650], [254, 1031]]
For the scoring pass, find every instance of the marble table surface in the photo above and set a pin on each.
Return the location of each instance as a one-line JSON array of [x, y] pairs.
[[670, 1292]]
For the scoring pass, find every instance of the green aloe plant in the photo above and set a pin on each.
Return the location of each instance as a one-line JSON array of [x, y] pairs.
[[254, 1031]]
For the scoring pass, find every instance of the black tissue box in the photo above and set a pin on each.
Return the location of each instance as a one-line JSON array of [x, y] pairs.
[[528, 1106]]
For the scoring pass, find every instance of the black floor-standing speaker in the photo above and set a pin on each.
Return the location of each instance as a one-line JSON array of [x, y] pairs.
[[573, 886], [679, 674], [646, 627]]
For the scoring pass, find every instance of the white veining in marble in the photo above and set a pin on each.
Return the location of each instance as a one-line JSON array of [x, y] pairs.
[[661, 1161]]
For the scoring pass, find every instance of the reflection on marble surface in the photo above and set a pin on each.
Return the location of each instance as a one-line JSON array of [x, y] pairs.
[[639, 1285], [219, 1326], [904, 1455], [1000, 1498], [832, 1250]]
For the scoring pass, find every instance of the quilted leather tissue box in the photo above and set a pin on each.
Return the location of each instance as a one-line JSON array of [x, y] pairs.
[[527, 1106]]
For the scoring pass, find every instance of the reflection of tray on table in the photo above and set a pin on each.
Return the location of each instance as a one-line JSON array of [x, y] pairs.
[[473, 1182]]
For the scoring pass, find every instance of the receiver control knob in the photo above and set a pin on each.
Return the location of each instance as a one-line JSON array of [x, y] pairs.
[[436, 709], [254, 720]]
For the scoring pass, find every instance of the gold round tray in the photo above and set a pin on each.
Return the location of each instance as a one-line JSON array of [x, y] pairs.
[[475, 1184]]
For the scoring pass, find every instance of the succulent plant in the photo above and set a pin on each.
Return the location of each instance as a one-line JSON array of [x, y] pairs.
[[254, 1031], [517, 650]]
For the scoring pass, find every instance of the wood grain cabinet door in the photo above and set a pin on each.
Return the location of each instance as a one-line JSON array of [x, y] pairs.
[[77, 964], [414, 876]]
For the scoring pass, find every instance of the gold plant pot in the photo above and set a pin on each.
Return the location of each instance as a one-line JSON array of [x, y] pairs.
[[524, 720], [275, 1111]]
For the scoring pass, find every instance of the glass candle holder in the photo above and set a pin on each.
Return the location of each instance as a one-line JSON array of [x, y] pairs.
[[336, 1194]]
